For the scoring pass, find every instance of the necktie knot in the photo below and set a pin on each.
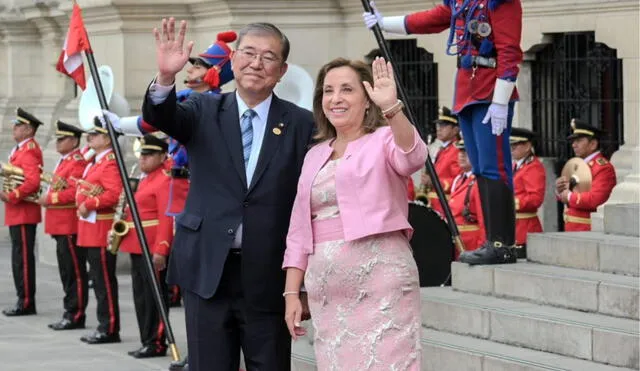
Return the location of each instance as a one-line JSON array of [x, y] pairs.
[[248, 114]]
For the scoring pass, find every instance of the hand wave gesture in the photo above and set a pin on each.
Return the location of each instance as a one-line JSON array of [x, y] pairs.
[[171, 54], [383, 93]]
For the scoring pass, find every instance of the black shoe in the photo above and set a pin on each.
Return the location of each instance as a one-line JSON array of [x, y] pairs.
[[150, 351], [66, 324], [101, 338], [181, 365], [489, 253], [19, 311]]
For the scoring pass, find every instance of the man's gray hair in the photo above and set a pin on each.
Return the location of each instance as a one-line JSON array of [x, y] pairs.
[[266, 29]]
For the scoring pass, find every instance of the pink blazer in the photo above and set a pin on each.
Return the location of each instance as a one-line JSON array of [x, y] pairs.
[[371, 190]]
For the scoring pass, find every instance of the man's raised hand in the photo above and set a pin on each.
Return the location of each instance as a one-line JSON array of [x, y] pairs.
[[171, 54]]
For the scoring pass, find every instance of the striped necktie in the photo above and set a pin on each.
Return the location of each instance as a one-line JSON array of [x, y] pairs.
[[246, 127]]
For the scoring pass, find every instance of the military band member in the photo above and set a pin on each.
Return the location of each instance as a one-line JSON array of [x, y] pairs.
[[465, 203], [22, 212], [580, 203], [152, 198], [529, 181], [484, 36], [61, 222], [446, 159], [97, 195]]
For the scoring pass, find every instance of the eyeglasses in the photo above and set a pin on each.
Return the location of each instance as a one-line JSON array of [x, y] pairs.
[[268, 59]]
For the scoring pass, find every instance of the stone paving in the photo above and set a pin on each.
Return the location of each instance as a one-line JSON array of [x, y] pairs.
[[26, 343]]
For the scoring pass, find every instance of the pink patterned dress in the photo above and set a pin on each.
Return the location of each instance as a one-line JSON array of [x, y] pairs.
[[364, 295]]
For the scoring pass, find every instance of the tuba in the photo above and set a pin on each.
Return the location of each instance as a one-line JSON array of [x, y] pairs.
[[89, 106], [296, 86], [120, 227], [14, 177]]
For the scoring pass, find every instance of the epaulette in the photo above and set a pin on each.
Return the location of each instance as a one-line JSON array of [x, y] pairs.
[[32, 145], [602, 161], [78, 157], [111, 156]]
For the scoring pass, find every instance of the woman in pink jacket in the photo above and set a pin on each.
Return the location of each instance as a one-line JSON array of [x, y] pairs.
[[349, 235]]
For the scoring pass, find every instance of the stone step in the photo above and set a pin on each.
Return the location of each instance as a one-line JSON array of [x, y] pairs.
[[594, 337], [622, 219], [302, 356], [450, 352], [593, 251], [445, 351], [588, 291]]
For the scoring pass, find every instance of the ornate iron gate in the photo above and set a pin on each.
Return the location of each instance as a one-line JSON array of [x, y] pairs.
[[419, 76], [575, 76]]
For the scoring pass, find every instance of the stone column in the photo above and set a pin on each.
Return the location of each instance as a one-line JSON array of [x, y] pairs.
[[625, 160]]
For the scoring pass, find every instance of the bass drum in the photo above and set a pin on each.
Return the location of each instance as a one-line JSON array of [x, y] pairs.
[[433, 248]]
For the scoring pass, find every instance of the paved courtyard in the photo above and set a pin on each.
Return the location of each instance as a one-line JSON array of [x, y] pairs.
[[26, 343]]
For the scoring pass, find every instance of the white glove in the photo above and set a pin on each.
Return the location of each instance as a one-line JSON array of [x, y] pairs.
[[393, 24], [370, 20], [497, 115], [113, 118]]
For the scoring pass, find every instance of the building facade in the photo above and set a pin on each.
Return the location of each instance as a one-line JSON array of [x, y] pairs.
[[582, 59]]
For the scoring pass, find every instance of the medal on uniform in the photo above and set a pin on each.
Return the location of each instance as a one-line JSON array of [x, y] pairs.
[[484, 29], [472, 26]]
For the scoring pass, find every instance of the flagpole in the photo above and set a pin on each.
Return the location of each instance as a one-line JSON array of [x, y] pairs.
[[133, 208], [455, 234]]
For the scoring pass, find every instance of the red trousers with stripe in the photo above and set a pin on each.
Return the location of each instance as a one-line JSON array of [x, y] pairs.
[[152, 330], [72, 265], [23, 264], [102, 270]]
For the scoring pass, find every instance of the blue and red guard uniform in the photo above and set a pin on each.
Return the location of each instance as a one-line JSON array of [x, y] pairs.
[[485, 37]]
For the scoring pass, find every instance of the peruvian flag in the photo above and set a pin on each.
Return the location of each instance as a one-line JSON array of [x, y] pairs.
[[70, 61]]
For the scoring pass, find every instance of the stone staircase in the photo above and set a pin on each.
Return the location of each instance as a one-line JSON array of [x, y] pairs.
[[572, 306]]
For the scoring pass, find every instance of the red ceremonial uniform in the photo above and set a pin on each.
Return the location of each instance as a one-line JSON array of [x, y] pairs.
[[505, 19], [103, 173], [28, 157], [464, 194], [577, 213], [446, 166], [61, 215], [152, 198], [529, 182]]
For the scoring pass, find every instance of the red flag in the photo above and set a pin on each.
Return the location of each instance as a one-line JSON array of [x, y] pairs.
[[77, 41]]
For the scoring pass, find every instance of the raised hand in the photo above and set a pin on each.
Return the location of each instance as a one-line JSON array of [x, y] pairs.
[[383, 93], [171, 54]]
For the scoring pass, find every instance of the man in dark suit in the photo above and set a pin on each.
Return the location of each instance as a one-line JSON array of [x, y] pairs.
[[246, 150]]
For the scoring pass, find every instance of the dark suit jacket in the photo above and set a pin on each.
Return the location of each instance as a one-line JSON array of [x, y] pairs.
[[219, 199]]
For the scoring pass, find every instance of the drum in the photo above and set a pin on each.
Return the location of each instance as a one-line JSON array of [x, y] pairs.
[[433, 248]]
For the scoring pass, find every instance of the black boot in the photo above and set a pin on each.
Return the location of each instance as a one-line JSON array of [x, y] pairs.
[[498, 210]]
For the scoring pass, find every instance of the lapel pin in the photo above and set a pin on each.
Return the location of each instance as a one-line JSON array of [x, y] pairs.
[[277, 131]]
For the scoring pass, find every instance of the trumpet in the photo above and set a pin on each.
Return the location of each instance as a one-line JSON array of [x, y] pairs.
[[57, 183], [89, 189]]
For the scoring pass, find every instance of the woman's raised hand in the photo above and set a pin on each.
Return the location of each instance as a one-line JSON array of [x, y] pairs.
[[171, 55], [383, 92]]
